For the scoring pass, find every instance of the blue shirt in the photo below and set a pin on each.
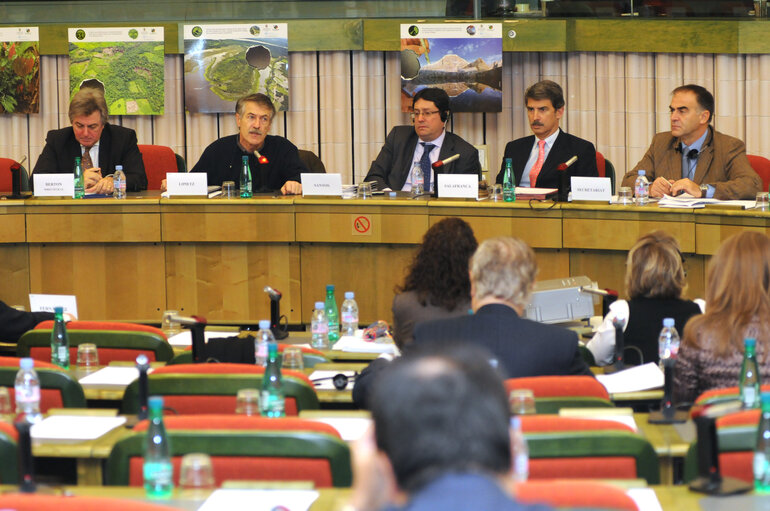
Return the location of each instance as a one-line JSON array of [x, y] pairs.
[[689, 164]]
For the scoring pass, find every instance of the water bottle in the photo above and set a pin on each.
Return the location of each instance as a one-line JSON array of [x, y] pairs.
[[60, 344], [349, 314], [509, 188], [762, 452], [520, 451], [332, 315], [418, 180], [642, 188], [27, 388], [157, 469], [119, 183], [245, 178], [80, 190], [272, 401], [749, 381], [319, 328], [264, 337], [668, 341]]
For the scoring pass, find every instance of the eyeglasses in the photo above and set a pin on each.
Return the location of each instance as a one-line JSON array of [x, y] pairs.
[[418, 113]]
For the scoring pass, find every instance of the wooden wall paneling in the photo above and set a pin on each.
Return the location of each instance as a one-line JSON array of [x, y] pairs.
[[14, 273]]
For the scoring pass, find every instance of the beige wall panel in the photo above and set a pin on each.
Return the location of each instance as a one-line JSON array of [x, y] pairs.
[[668, 76], [168, 129], [699, 68], [610, 117], [368, 111], [48, 118], [302, 117], [335, 110], [201, 131], [758, 104], [730, 95], [581, 99], [640, 104], [393, 114], [14, 274]]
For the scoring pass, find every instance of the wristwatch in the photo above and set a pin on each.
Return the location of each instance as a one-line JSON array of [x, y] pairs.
[[703, 190]]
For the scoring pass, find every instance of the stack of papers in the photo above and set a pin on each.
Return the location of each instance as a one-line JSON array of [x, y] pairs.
[[74, 428], [184, 338], [357, 345], [111, 375], [687, 201], [644, 377], [259, 500]]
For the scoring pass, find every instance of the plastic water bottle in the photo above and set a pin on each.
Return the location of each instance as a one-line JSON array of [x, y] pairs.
[[332, 315], [272, 401], [319, 328], [263, 340], [245, 178], [762, 451], [520, 451], [80, 190], [349, 314], [157, 469], [60, 344], [509, 188], [119, 183], [27, 388], [749, 381], [642, 188], [418, 180], [668, 341]]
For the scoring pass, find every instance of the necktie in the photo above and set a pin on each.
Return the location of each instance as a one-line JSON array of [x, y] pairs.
[[535, 170], [87, 163], [425, 164]]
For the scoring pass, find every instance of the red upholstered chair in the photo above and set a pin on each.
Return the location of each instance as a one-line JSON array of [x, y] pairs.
[[105, 325], [57, 388], [574, 494], [605, 168], [761, 166], [555, 392], [243, 448], [41, 502], [310, 356], [159, 160], [6, 183], [566, 447], [714, 396]]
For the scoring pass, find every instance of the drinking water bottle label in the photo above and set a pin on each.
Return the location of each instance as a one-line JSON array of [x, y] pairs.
[[273, 404], [28, 395], [760, 466], [349, 317], [320, 328], [158, 474], [749, 397], [262, 352], [62, 353]]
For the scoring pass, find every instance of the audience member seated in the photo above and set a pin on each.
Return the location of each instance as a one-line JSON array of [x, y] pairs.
[[737, 306], [502, 274], [440, 438], [655, 282], [13, 323]]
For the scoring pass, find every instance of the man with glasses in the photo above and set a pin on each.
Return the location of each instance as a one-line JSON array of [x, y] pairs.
[[99, 144], [392, 170]]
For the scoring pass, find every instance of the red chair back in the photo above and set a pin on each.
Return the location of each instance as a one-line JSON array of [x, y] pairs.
[[723, 394], [761, 166], [559, 386], [158, 160], [106, 355], [601, 165], [738, 464], [49, 398], [574, 494], [104, 325], [5, 174]]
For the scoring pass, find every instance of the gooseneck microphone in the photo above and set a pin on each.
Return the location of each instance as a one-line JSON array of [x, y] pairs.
[[441, 163], [261, 159], [564, 185]]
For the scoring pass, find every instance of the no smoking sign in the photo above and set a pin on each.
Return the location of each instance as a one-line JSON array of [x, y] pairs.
[[362, 225]]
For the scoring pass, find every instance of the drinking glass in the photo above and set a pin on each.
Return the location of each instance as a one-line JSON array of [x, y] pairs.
[[292, 359], [228, 190], [496, 192], [522, 401], [624, 196], [196, 472], [168, 326], [247, 402], [365, 191], [88, 356], [762, 201]]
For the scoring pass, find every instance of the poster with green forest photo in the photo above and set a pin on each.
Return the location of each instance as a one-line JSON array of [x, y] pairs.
[[19, 70], [126, 63]]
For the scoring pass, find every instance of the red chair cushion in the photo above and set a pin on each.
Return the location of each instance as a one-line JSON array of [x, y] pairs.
[[158, 160], [8, 430], [39, 364], [240, 423], [105, 325], [106, 355], [575, 494], [559, 386], [555, 424], [225, 368], [601, 467], [739, 465]]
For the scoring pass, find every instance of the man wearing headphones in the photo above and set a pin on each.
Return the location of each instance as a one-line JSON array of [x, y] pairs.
[[392, 170], [695, 158]]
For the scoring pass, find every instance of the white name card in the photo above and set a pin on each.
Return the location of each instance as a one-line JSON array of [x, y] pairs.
[[591, 188], [54, 185], [47, 303], [187, 183], [321, 184], [458, 185]]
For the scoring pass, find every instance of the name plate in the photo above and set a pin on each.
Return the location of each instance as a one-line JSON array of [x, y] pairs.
[[321, 184], [54, 185], [187, 183], [46, 303], [458, 185], [591, 188]]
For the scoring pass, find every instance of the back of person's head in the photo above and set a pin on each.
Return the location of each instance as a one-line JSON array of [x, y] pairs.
[[436, 413], [654, 267], [546, 89], [504, 268], [439, 270], [87, 101], [438, 97]]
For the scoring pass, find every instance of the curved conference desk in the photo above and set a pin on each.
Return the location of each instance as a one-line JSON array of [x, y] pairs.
[[132, 259]]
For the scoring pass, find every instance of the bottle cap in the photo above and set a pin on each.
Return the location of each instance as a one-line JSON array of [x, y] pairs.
[[329, 287], [77, 159], [58, 310], [349, 295], [668, 322], [245, 159], [750, 342], [264, 324], [118, 167], [766, 398], [319, 305], [272, 349], [26, 363], [392, 195], [641, 173], [508, 160], [155, 402]]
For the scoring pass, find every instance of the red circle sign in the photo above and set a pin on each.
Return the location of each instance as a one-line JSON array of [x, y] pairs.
[[361, 224]]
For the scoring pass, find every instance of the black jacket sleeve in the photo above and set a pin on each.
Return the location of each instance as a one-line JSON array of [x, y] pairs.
[[14, 323]]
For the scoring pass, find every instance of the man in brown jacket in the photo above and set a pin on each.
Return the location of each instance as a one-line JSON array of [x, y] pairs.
[[695, 158]]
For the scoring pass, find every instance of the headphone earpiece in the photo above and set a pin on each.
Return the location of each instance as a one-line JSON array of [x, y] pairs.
[[444, 114]]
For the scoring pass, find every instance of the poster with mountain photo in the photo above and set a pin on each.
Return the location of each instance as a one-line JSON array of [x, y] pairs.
[[464, 59], [228, 61], [19, 70], [126, 63]]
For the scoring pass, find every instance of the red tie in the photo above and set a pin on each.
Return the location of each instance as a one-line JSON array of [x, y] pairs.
[[87, 163], [535, 170]]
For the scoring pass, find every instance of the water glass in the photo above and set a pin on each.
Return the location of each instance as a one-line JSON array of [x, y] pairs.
[[522, 401], [168, 326], [762, 201], [496, 192], [88, 357], [292, 358], [197, 472], [247, 402], [228, 190], [365, 191], [625, 196]]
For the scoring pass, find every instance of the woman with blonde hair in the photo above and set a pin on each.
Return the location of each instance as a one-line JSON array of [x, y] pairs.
[[737, 306], [655, 283]]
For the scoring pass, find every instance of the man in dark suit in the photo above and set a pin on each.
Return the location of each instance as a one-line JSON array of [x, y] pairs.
[[392, 169], [100, 145], [502, 275], [535, 158]]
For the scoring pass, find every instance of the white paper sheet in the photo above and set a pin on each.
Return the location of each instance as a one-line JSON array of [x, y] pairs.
[[328, 384], [184, 338], [687, 201], [626, 417], [111, 375], [645, 499], [644, 377], [46, 303], [356, 345], [259, 500], [74, 428], [349, 428]]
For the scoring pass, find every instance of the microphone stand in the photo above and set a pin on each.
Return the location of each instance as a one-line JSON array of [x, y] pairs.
[[668, 414]]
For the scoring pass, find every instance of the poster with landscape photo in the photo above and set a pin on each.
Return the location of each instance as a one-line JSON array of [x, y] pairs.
[[19, 70], [464, 59], [125, 62], [225, 62]]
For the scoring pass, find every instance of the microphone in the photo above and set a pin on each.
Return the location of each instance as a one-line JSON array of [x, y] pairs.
[[261, 159], [441, 163], [567, 164], [197, 325], [275, 295], [143, 364], [564, 185], [275, 313]]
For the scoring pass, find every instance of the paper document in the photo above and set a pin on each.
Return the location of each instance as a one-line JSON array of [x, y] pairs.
[[349, 428], [645, 498], [111, 375], [259, 500], [356, 345], [74, 428], [687, 201], [644, 377], [326, 383], [184, 338]]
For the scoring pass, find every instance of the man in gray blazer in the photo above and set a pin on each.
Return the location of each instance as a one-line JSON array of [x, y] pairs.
[[392, 170]]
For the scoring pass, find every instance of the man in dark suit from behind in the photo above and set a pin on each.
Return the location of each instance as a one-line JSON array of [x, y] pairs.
[[535, 158], [502, 272]]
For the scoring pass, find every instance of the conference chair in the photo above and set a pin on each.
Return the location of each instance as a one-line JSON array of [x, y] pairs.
[[196, 389], [555, 392], [715, 396], [574, 448], [113, 345], [606, 169], [9, 473], [104, 325], [312, 162], [243, 448], [67, 502], [6, 183], [761, 166], [159, 160], [57, 388], [310, 356], [574, 494]]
